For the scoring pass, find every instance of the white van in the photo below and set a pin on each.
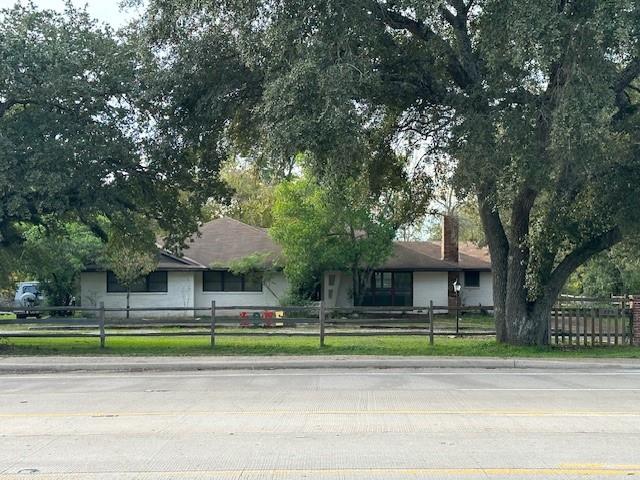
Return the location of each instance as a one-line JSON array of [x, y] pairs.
[[28, 295]]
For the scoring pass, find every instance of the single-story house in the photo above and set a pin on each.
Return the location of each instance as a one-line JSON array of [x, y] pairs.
[[198, 277], [416, 273]]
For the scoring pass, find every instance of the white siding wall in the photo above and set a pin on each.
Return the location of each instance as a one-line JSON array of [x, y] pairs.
[[429, 286], [331, 292], [93, 290], [342, 295], [482, 295], [185, 290], [342, 291], [270, 297]]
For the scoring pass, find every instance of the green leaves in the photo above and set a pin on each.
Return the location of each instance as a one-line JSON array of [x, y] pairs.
[[130, 255], [76, 130], [335, 227], [56, 256]]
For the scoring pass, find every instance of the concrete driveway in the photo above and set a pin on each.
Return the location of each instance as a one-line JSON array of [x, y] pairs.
[[321, 424]]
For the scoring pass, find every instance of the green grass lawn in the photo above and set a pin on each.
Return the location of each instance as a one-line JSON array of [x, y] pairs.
[[387, 345]]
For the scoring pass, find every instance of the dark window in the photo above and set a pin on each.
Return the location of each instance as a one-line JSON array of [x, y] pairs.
[[383, 280], [157, 282], [402, 280], [113, 286], [218, 281], [471, 279], [390, 289], [212, 281], [232, 283], [154, 282]]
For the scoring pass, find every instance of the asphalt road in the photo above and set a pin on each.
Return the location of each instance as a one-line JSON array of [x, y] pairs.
[[384, 424]]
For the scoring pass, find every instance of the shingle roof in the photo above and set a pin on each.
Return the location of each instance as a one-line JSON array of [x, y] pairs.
[[223, 240], [426, 256], [166, 261]]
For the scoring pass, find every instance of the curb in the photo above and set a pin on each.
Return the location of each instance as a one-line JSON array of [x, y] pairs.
[[94, 365]]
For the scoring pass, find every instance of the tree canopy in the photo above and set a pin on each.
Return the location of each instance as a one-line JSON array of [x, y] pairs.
[[614, 272], [250, 198], [344, 225], [534, 103], [56, 256], [74, 132]]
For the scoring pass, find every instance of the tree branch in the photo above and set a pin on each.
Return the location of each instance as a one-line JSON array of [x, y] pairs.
[[628, 75], [5, 106], [459, 24], [421, 31], [448, 15], [579, 256]]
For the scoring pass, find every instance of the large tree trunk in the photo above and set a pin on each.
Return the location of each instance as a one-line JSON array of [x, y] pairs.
[[499, 249], [520, 329], [527, 322], [521, 320]]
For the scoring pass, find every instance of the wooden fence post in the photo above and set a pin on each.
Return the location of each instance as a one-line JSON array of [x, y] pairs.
[[430, 322], [570, 311], [213, 323], [599, 326], [630, 304], [321, 316], [556, 314], [103, 336], [586, 327]]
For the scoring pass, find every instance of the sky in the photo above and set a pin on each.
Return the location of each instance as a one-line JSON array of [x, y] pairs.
[[107, 11]]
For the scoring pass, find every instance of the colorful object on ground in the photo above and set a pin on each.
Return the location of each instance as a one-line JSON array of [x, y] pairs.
[[259, 319]]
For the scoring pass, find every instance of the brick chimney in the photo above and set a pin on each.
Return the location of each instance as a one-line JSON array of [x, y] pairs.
[[449, 242]]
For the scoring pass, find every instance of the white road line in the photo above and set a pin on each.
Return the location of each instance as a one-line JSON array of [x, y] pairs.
[[498, 389], [314, 373]]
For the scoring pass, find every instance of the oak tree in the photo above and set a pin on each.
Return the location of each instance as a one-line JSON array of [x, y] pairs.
[[536, 103], [73, 131]]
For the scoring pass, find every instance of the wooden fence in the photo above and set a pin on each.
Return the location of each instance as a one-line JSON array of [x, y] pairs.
[[568, 325], [314, 320], [591, 326]]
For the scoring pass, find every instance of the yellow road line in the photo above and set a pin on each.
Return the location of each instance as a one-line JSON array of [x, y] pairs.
[[268, 413], [368, 472]]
